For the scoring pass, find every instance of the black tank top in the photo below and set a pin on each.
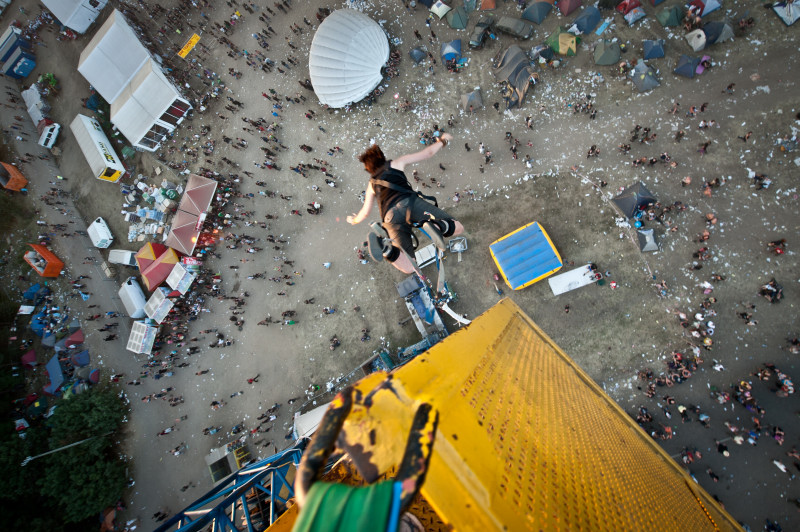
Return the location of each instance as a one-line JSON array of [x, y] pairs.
[[387, 197]]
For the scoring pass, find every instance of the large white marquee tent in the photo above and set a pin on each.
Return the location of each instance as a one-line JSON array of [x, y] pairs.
[[347, 54]]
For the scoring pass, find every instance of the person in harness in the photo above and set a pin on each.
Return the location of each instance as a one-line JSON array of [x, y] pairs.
[[401, 207]]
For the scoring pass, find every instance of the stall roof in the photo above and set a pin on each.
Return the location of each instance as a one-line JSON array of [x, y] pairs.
[[77, 15], [159, 305], [113, 57], [142, 337], [180, 278], [183, 234], [140, 103], [198, 195]]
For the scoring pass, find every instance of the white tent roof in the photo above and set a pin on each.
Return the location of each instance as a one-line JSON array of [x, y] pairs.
[[113, 57], [696, 39], [143, 101], [77, 15], [180, 278], [158, 306], [346, 56], [142, 337]]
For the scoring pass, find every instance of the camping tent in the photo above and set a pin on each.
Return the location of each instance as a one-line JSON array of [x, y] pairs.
[[696, 39], [440, 9], [451, 50], [568, 6], [588, 20], [56, 375], [29, 359], [626, 6], [81, 359], [543, 51], [634, 15], [472, 99], [670, 17], [537, 11], [488, 5], [563, 42], [36, 293], [687, 66], [457, 18], [606, 52], [159, 270], [148, 254], [653, 49], [417, 54], [43, 261], [633, 198], [525, 256], [704, 7], [647, 240], [787, 11], [346, 56], [515, 71], [183, 233], [717, 32]]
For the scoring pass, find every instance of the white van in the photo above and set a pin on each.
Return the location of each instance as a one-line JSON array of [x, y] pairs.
[[49, 135], [133, 298], [122, 256], [100, 233]]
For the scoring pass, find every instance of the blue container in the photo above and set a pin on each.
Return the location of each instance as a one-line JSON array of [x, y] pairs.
[[20, 64]]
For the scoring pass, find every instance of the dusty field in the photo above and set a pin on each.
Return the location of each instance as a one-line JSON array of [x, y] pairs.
[[610, 333]]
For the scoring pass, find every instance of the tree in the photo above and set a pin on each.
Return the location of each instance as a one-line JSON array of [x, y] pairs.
[[87, 478]]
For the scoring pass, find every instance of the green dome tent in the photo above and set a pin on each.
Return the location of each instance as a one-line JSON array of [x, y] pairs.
[[606, 53], [563, 42], [669, 17], [457, 18]]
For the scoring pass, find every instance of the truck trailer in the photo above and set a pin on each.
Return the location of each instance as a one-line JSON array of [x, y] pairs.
[[103, 160]]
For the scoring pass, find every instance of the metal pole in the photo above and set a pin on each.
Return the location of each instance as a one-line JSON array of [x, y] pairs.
[[30, 458]]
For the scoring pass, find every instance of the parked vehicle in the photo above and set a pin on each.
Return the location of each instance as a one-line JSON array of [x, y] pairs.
[[515, 26], [478, 37], [122, 256]]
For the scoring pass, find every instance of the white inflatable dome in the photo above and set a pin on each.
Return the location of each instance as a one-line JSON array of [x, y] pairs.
[[346, 57]]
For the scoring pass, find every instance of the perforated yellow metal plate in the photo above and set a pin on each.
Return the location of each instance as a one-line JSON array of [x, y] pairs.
[[526, 440]]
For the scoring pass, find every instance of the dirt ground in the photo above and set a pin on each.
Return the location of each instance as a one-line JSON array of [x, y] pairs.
[[611, 333]]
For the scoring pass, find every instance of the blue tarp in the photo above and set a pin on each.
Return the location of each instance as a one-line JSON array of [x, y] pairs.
[[525, 256], [56, 375], [38, 323]]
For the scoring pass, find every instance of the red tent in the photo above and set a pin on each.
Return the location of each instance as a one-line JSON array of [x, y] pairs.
[[159, 270], [29, 359], [625, 6], [184, 232], [148, 254], [198, 195], [75, 338], [568, 6]]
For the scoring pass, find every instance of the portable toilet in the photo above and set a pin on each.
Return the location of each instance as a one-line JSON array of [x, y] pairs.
[[19, 64]]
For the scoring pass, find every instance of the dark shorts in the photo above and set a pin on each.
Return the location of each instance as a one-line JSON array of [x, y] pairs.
[[410, 210]]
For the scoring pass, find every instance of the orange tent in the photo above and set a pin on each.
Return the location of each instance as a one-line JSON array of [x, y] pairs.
[[11, 178], [159, 270], [148, 254], [43, 261], [488, 5]]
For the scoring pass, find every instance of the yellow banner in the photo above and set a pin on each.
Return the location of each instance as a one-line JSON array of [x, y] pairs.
[[193, 40]]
